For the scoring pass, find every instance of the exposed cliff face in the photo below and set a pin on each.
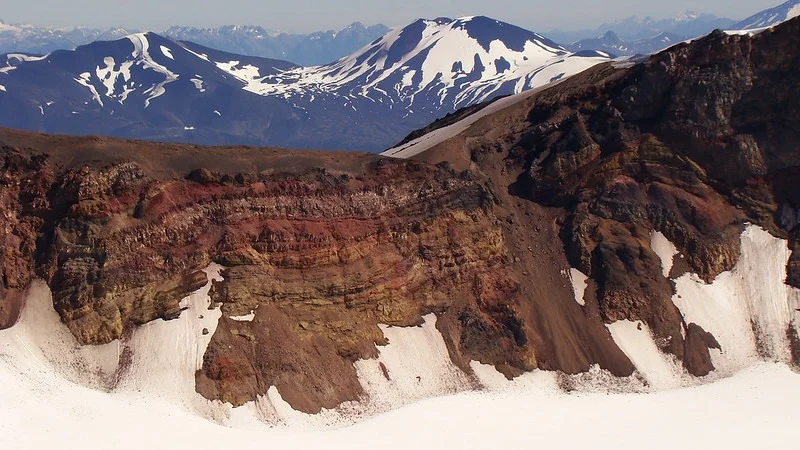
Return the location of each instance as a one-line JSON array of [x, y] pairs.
[[694, 143], [321, 248], [320, 256]]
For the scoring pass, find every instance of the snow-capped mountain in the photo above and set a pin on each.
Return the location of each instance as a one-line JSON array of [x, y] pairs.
[[770, 17], [305, 49], [611, 43], [634, 28], [441, 62], [148, 86], [40, 40]]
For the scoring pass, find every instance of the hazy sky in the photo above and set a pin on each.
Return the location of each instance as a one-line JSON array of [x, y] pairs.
[[311, 15]]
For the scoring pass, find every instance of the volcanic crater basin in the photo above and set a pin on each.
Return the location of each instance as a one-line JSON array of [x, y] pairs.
[[592, 235]]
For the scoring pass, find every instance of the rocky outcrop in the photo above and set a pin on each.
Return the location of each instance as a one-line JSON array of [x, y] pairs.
[[694, 143], [319, 256]]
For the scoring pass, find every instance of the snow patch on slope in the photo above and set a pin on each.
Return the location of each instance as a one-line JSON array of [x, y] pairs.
[[579, 284], [142, 55], [110, 77], [84, 80], [167, 52], [637, 342], [245, 318], [155, 366], [750, 309], [415, 365], [665, 250], [164, 355]]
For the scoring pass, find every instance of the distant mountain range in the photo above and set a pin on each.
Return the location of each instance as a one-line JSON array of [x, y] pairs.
[[303, 49], [41, 40], [634, 36], [637, 29], [148, 86], [611, 43]]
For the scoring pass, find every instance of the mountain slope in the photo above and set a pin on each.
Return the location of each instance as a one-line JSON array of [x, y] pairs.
[[674, 156], [147, 86], [442, 61], [770, 17]]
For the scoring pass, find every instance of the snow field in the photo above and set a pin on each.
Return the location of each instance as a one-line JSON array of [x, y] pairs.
[[140, 392]]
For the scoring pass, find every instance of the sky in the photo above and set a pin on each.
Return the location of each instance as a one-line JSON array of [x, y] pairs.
[[313, 15]]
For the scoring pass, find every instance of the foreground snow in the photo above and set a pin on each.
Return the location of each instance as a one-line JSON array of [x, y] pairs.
[[757, 408], [140, 392]]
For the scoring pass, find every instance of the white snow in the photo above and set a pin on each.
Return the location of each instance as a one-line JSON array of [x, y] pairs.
[[21, 57], [636, 340], [755, 409], [141, 53], [579, 285], [418, 365], [365, 73], [166, 354], [58, 394], [166, 52], [202, 56], [747, 32], [664, 249], [246, 318], [84, 80], [110, 77], [156, 363], [198, 84], [248, 74], [793, 12], [749, 309]]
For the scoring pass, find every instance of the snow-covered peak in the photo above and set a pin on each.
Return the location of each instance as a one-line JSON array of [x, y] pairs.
[[410, 75], [447, 61], [686, 16]]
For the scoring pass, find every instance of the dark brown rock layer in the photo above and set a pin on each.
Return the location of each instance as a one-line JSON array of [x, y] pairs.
[[321, 255], [695, 142]]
